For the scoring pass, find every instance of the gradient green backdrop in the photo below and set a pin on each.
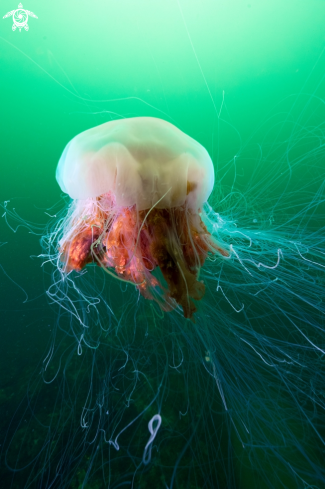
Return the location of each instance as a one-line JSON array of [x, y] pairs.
[[215, 68]]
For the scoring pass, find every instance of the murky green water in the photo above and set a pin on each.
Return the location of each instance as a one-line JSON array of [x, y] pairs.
[[244, 78]]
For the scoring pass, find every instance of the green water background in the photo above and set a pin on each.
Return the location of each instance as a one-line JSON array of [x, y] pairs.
[[217, 69]]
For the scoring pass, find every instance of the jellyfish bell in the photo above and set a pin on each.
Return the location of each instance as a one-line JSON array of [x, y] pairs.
[[138, 186], [138, 160]]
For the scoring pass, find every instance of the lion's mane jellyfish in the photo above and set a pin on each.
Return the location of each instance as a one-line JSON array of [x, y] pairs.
[[138, 186], [146, 398]]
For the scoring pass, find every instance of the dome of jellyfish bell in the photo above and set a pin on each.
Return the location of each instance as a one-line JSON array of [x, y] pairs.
[[138, 186], [141, 161]]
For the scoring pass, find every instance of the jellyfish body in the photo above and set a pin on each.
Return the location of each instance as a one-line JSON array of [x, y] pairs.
[[236, 402], [137, 187]]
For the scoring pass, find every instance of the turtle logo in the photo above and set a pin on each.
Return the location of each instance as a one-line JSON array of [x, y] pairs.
[[20, 18]]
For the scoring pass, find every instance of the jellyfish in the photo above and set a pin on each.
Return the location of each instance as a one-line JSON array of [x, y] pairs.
[[138, 186], [188, 342]]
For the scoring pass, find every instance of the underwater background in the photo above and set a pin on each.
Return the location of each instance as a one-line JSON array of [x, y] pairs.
[[246, 80]]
